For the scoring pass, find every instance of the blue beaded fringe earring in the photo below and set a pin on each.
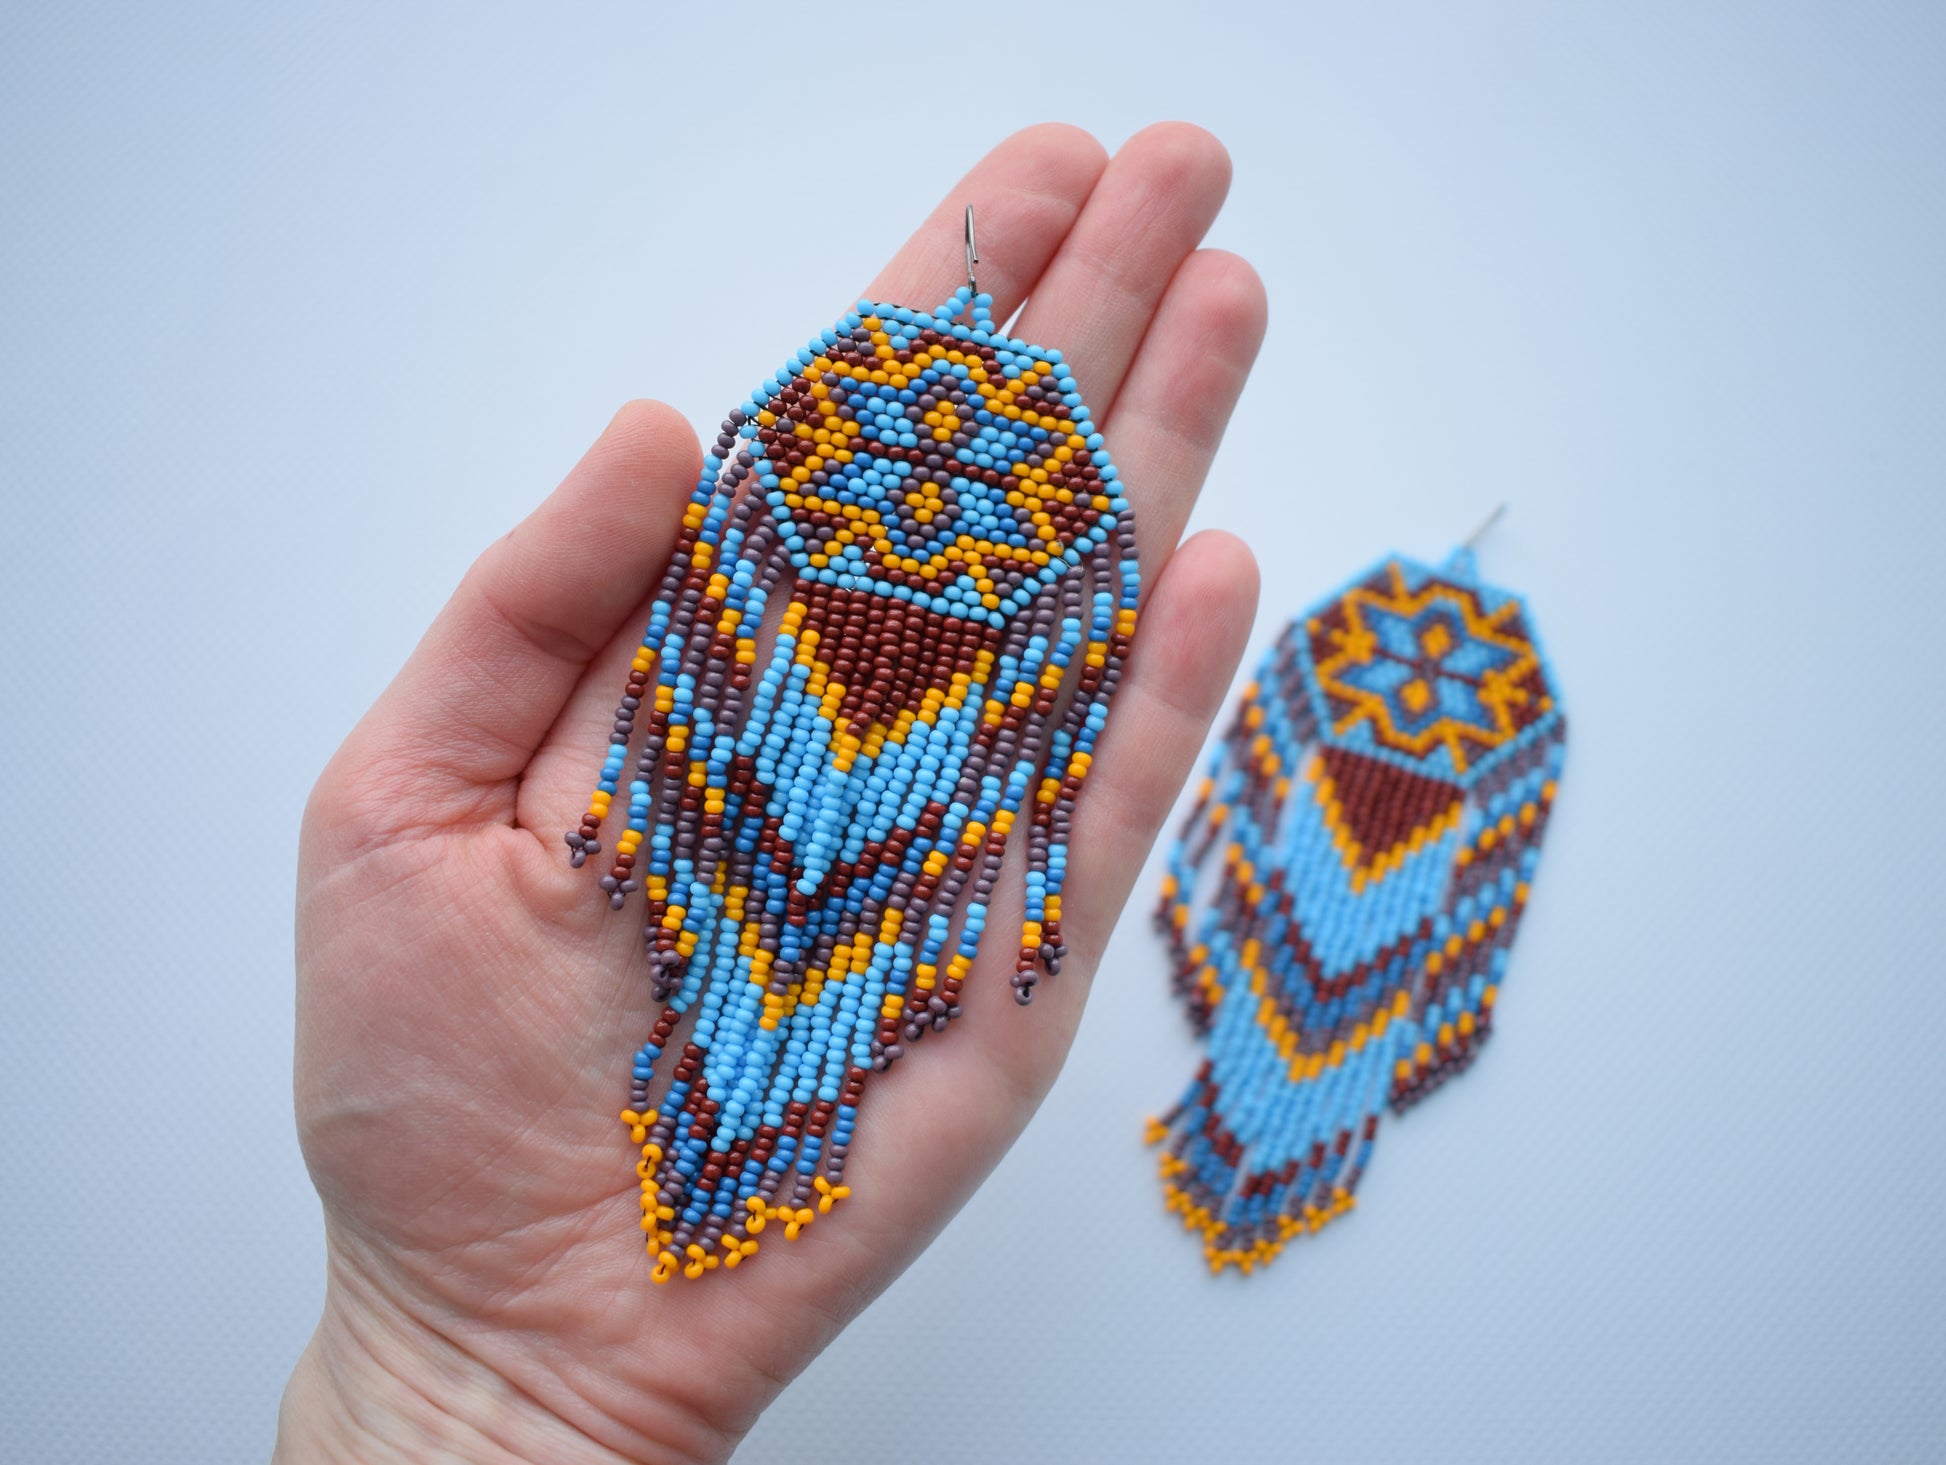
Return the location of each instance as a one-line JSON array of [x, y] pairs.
[[816, 831], [1344, 893]]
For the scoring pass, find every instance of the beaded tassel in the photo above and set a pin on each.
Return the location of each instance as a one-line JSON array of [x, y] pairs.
[[1378, 803], [817, 825]]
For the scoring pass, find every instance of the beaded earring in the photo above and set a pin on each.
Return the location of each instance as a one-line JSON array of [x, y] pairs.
[[1376, 811], [817, 817]]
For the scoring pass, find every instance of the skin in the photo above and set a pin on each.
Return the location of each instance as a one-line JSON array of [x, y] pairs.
[[467, 1004]]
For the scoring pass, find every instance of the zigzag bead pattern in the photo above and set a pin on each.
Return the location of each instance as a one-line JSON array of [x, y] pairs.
[[1378, 805], [816, 827]]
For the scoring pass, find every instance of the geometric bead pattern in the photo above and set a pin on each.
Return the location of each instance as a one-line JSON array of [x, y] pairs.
[[1422, 667], [1343, 897], [822, 798]]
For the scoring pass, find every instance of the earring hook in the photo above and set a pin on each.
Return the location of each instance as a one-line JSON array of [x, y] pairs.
[[972, 253], [1478, 534]]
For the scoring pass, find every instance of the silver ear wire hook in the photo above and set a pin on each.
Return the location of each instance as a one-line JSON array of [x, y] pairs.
[[972, 253], [1481, 533]]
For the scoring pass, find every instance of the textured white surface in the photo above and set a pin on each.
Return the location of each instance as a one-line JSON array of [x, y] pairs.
[[300, 312]]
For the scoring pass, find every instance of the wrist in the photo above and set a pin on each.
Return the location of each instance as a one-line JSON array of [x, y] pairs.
[[375, 1387], [349, 1403]]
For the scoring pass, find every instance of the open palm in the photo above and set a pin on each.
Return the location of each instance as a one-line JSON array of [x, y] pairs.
[[467, 1004]]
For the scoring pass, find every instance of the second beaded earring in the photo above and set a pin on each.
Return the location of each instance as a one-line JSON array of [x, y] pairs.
[[1345, 891]]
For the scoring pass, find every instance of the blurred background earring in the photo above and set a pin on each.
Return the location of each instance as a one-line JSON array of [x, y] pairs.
[[1344, 894]]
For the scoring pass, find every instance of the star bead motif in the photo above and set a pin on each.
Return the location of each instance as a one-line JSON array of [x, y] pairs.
[[1428, 670]]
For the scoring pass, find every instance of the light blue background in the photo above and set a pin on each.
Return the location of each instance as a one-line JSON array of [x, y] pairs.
[[299, 309]]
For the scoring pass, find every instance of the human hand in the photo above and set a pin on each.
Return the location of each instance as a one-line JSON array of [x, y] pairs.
[[467, 1004]]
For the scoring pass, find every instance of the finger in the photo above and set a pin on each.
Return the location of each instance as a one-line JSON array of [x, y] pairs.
[[1186, 649], [1026, 194], [1165, 431], [464, 715], [1181, 390], [1151, 208], [1028, 191]]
